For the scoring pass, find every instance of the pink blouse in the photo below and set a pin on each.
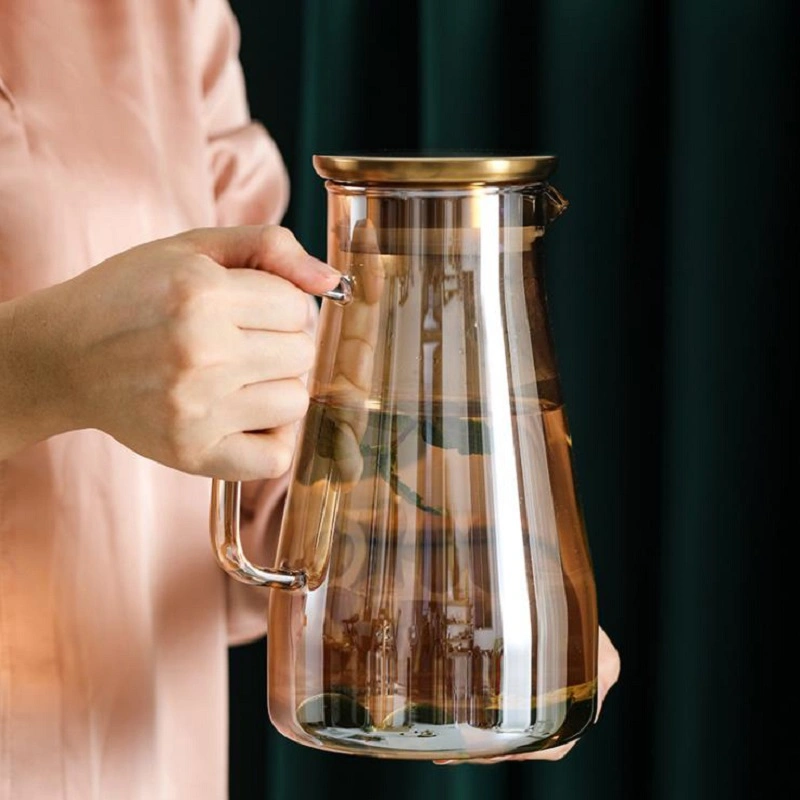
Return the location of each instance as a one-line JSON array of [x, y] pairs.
[[121, 121]]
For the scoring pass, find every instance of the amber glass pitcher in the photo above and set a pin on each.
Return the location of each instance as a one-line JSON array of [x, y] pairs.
[[439, 597]]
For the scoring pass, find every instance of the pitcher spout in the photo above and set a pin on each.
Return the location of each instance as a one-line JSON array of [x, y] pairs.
[[546, 204], [555, 203]]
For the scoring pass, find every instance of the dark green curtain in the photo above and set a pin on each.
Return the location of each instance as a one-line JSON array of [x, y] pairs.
[[672, 291]]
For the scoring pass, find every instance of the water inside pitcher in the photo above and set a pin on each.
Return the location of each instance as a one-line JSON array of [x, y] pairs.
[[444, 599]]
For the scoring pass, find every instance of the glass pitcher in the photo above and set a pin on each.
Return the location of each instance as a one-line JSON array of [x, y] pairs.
[[441, 598]]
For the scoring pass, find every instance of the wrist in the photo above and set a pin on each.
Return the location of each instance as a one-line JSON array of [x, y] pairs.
[[35, 396]]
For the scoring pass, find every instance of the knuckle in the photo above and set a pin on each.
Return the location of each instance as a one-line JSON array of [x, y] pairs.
[[191, 340], [194, 237], [189, 241], [191, 289], [296, 301], [304, 352], [185, 351], [183, 408], [183, 451], [297, 398], [173, 405], [279, 459], [293, 309], [276, 238]]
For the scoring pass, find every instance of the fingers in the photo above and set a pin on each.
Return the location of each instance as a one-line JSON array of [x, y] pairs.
[[262, 301], [253, 456], [265, 247], [268, 356], [262, 406], [347, 455], [608, 667], [551, 754], [354, 363]]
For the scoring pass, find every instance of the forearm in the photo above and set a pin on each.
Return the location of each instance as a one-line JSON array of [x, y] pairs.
[[32, 405]]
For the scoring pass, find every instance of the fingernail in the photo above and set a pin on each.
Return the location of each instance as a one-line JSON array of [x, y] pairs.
[[442, 763]]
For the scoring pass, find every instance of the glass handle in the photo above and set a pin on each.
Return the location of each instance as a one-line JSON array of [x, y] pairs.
[[227, 543], [342, 293]]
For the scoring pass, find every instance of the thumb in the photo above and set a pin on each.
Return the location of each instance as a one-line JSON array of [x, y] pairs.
[[266, 247]]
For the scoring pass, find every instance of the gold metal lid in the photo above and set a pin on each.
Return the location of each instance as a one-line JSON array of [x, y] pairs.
[[434, 170]]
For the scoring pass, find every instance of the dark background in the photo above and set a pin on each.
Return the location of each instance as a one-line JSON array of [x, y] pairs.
[[672, 290]]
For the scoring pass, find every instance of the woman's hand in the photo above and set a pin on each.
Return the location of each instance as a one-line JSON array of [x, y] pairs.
[[189, 350], [608, 666]]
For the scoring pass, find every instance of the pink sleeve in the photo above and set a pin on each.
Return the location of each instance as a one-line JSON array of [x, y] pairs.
[[250, 181], [250, 187]]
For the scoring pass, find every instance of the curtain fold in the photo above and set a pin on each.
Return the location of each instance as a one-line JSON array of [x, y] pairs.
[[672, 290]]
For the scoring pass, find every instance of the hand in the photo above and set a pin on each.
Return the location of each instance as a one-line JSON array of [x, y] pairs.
[[608, 666], [188, 350]]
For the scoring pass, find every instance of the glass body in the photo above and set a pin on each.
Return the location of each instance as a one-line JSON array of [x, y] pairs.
[[448, 609]]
